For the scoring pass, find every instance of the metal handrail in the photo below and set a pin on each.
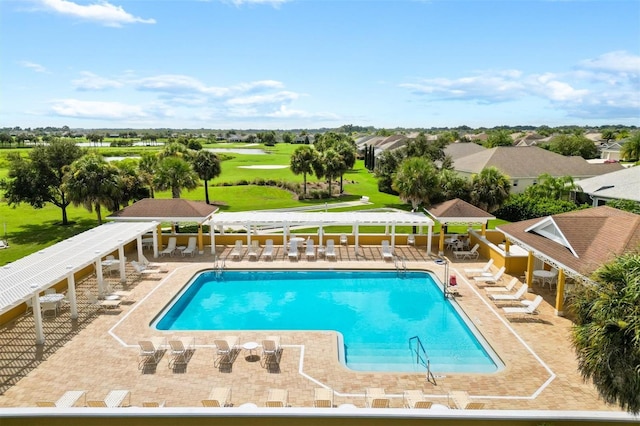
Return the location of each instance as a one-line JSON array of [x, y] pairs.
[[425, 360]]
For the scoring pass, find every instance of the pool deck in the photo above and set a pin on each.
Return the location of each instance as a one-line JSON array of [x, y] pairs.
[[98, 352]]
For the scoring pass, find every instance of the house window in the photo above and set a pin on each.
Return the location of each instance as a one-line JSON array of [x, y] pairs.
[[515, 183]]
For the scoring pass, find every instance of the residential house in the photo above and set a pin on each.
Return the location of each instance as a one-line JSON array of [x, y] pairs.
[[619, 185]]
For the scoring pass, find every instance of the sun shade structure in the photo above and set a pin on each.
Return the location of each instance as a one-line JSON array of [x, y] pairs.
[[27, 277], [285, 220]]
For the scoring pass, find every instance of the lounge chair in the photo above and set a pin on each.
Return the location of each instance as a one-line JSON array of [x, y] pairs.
[[376, 398], [143, 270], [323, 398], [150, 350], [253, 250], [467, 254], [115, 398], [528, 309], [461, 401], [237, 251], [153, 404], [330, 252], [411, 240], [218, 397], [68, 399], [469, 272], [191, 247], [343, 239], [180, 348], [271, 351], [511, 297], [226, 347], [171, 247], [101, 304], [501, 289], [277, 398], [268, 250], [293, 250], [310, 251], [493, 278], [415, 399], [387, 253]]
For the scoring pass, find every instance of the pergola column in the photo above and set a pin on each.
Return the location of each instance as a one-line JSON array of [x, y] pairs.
[[213, 239], [99, 276], [429, 236], [529, 277], [37, 317], [483, 232], [393, 236], [160, 245], [123, 273], [155, 243], [200, 240], [71, 293], [441, 241], [560, 293], [356, 229]]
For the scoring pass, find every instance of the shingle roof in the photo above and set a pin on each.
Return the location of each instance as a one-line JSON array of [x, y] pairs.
[[622, 184], [596, 235], [458, 210], [171, 209], [531, 162], [462, 149]]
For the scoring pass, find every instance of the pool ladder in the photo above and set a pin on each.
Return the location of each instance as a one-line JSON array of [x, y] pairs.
[[218, 267], [400, 264], [422, 357]]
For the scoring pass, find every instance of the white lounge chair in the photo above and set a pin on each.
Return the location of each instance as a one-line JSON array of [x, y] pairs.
[[277, 398], [343, 239], [268, 250], [376, 398], [469, 272], [150, 350], [68, 399], [252, 253], [171, 247], [180, 349], [101, 304], [323, 398], [330, 252], [516, 296], [115, 398], [226, 347], [387, 253], [528, 309], [237, 251], [293, 250], [461, 400], [191, 247], [493, 278], [310, 251], [411, 240], [467, 254], [415, 399], [218, 397], [503, 289], [143, 270], [271, 351]]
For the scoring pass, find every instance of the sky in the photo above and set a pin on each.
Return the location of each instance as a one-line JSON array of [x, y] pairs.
[[306, 64]]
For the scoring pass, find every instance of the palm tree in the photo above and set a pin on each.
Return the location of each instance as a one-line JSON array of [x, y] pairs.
[[489, 189], [93, 182], [329, 165], [607, 329], [176, 174], [207, 166], [146, 169], [302, 161], [549, 187], [631, 149], [347, 150], [416, 181], [452, 185]]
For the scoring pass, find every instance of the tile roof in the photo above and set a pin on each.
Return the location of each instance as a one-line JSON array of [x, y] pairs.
[[597, 235], [531, 162], [458, 210], [166, 209]]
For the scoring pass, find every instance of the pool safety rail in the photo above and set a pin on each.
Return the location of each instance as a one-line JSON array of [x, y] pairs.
[[415, 345], [401, 264], [218, 267]]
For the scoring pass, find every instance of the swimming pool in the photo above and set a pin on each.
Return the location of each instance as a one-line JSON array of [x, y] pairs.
[[376, 314]]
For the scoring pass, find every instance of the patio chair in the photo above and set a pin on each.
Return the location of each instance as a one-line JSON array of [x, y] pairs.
[[171, 247], [218, 397], [323, 398], [191, 247], [225, 348], [237, 251], [101, 304], [462, 401], [271, 351], [253, 250], [277, 398], [310, 251], [268, 250], [387, 253], [415, 399], [115, 398], [376, 398], [180, 350], [293, 250], [344, 240], [330, 252], [469, 272], [493, 278], [528, 309], [143, 270], [501, 289], [49, 307], [411, 240], [150, 350], [467, 254], [511, 297]]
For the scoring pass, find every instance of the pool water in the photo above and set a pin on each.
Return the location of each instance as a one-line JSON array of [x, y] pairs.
[[375, 312]]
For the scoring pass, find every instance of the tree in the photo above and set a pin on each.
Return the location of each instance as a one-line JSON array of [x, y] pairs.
[[385, 167], [489, 189], [302, 161], [93, 183], [631, 149], [207, 166], [499, 138], [452, 185], [559, 188], [330, 165], [39, 180], [176, 174], [626, 205], [132, 185], [346, 148], [416, 181], [146, 168], [606, 334], [572, 144], [5, 138]]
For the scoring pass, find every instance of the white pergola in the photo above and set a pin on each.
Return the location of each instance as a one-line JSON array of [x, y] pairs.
[[27, 277], [252, 220]]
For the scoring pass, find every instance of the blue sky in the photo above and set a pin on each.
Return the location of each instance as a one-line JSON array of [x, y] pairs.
[[285, 64]]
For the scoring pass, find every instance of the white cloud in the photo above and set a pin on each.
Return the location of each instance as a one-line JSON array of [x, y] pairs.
[[91, 81], [183, 84], [105, 110], [618, 61], [33, 66], [284, 112], [101, 11], [274, 3], [272, 98]]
